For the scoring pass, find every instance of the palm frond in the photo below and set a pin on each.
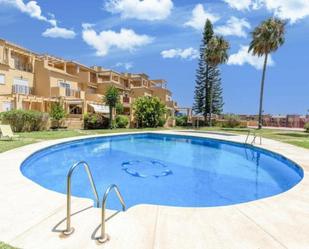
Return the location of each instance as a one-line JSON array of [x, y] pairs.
[[267, 37]]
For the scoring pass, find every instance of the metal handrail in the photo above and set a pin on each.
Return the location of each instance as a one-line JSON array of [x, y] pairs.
[[254, 137], [69, 230], [104, 236], [248, 134]]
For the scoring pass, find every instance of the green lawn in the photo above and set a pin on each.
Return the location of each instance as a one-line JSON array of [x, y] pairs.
[[25, 138], [298, 138], [292, 137]]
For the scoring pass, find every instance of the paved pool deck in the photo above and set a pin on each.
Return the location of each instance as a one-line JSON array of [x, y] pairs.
[[33, 217]]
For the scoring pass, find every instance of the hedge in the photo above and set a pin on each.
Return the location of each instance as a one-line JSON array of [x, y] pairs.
[[25, 120], [95, 121], [122, 121]]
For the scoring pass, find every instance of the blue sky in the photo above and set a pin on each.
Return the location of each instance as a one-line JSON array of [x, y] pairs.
[[162, 37]]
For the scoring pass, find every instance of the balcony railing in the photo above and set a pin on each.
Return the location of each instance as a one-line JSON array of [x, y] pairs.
[[94, 97], [72, 93], [126, 100], [20, 89], [24, 67], [66, 92]]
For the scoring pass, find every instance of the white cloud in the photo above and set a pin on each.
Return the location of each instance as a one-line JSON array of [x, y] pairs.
[[126, 65], [239, 4], [56, 32], [292, 10], [234, 26], [32, 9], [150, 10], [102, 42], [243, 57], [87, 25], [199, 16], [188, 53]]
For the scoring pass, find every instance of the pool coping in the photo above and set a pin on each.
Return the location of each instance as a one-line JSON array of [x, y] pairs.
[[272, 222]]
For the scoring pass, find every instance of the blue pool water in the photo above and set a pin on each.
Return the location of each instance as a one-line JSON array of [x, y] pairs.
[[165, 170]]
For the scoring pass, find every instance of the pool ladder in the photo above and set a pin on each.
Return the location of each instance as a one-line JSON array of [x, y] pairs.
[[255, 136], [69, 229], [104, 236]]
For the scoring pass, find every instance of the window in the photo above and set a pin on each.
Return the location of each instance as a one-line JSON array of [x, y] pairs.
[[64, 84], [2, 79], [7, 106], [20, 82], [21, 86]]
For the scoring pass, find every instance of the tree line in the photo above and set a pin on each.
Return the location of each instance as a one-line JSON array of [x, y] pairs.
[[208, 94]]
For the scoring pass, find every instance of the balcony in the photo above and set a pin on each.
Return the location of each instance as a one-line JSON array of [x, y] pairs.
[[21, 89], [21, 62], [66, 92], [24, 67], [125, 100], [171, 104], [94, 97]]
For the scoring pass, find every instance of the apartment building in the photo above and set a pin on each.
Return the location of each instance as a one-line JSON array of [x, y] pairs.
[[17, 78], [58, 80], [143, 86], [33, 82], [107, 78]]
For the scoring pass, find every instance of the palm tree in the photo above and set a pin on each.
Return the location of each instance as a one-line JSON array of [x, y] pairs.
[[111, 99], [266, 38], [216, 53]]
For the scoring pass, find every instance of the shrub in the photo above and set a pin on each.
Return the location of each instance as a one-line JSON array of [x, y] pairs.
[[95, 121], [231, 121], [25, 120], [149, 111], [162, 122], [181, 120], [122, 121], [57, 113], [119, 109], [307, 127]]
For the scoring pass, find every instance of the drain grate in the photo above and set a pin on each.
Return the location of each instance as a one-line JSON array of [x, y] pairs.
[[146, 168]]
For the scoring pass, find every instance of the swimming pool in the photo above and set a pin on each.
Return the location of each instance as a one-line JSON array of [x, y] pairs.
[[161, 169]]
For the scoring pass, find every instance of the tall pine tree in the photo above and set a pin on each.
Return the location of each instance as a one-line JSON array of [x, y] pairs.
[[217, 91], [206, 76]]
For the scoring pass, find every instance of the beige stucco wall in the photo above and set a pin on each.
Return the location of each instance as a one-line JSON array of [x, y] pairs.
[[47, 79], [5, 88], [102, 87], [140, 92], [42, 83], [161, 93], [83, 77], [5, 99], [56, 77], [9, 76]]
